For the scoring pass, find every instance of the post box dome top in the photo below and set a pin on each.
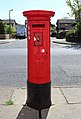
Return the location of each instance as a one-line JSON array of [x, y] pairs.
[[38, 13]]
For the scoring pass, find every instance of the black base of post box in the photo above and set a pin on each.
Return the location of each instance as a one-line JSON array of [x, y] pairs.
[[38, 95]]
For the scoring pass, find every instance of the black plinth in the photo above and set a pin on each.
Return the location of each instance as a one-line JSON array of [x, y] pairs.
[[38, 95]]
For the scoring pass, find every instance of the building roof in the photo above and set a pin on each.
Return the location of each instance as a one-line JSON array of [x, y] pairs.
[[66, 20], [7, 21]]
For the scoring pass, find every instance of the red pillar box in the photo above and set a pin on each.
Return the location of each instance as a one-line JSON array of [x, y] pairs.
[[38, 83]]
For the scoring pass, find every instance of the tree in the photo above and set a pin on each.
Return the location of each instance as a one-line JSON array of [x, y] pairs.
[[75, 7], [1, 27]]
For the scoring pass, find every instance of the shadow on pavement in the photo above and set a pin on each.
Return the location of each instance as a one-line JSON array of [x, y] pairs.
[[75, 47], [29, 113]]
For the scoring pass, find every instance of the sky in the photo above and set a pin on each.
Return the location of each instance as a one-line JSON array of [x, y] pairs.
[[58, 6]]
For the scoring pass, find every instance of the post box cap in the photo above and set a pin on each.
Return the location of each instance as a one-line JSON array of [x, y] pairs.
[[38, 13]]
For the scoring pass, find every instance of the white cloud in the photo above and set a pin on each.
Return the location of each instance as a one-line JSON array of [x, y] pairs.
[[18, 16], [61, 13], [62, 9], [16, 13]]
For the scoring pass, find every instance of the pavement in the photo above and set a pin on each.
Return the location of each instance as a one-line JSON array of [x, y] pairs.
[[66, 101], [63, 41], [4, 41], [54, 40], [66, 104]]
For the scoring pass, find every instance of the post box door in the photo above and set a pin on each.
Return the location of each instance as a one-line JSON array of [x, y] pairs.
[[39, 70]]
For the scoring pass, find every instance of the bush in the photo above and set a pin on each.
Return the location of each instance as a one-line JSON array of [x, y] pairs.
[[71, 36], [10, 30], [74, 35], [1, 27], [53, 34], [61, 34], [78, 28], [7, 29]]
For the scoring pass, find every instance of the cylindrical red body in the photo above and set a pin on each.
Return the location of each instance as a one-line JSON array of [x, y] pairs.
[[38, 34]]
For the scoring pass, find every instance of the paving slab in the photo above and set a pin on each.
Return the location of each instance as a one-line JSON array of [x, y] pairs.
[[64, 112], [19, 96], [54, 112], [28, 113], [5, 94], [57, 97], [72, 95], [9, 112]]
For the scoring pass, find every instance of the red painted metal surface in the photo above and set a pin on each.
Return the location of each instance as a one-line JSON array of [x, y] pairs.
[[38, 45]]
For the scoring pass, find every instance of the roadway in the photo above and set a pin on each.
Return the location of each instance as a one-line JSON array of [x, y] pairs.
[[65, 64]]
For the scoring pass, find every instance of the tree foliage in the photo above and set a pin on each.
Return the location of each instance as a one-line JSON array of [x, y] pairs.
[[74, 5]]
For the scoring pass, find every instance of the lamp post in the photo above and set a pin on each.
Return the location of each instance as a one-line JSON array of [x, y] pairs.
[[9, 21]]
